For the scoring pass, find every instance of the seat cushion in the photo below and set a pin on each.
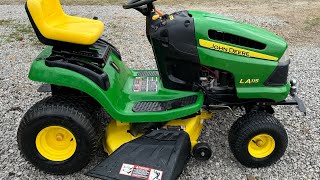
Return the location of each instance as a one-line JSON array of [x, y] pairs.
[[75, 30], [54, 24]]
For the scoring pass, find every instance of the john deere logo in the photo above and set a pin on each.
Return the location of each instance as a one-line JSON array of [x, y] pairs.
[[230, 50], [234, 50]]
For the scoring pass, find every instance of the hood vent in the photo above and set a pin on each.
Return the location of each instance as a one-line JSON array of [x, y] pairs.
[[234, 39]]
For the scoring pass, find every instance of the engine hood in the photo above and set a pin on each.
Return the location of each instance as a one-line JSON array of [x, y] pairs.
[[230, 36]]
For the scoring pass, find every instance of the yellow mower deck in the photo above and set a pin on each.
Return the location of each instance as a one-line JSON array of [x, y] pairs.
[[117, 133]]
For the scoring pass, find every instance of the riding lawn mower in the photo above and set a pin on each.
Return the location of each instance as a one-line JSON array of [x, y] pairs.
[[149, 121]]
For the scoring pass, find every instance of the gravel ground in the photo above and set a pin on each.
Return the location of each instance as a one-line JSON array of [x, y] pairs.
[[125, 29]]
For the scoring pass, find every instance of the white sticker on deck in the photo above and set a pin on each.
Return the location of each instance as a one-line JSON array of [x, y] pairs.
[[126, 169], [140, 172], [155, 175]]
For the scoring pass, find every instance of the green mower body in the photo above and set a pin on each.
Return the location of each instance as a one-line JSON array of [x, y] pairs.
[[120, 98], [234, 42], [239, 77]]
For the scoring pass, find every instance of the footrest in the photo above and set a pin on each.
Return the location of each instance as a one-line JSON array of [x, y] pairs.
[[158, 106], [161, 154], [148, 73]]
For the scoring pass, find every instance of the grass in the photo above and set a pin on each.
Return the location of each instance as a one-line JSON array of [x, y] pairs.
[[112, 25], [4, 22], [19, 32], [312, 23]]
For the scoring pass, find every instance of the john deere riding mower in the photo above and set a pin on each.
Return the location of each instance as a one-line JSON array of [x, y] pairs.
[[149, 121]]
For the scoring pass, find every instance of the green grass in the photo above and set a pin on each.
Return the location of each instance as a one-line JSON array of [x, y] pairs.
[[111, 25], [4, 22], [19, 32]]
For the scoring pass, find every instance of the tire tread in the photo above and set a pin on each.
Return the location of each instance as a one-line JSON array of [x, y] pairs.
[[74, 107], [252, 122]]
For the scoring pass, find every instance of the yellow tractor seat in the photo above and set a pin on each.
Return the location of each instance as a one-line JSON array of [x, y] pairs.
[[52, 25]]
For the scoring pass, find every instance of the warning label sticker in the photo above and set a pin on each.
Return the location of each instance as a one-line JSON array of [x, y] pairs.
[[145, 84], [140, 172]]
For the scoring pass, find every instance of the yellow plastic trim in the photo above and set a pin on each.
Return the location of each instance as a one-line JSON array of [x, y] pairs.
[[235, 50], [56, 143], [261, 146], [116, 132], [54, 24], [116, 135], [193, 126], [155, 17]]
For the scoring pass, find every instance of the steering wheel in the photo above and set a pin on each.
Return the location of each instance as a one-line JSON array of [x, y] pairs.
[[136, 3]]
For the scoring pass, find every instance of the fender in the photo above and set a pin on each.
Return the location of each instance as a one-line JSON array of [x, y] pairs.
[[68, 78], [119, 99]]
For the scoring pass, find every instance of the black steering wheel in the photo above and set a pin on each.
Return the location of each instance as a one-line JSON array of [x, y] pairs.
[[136, 3]]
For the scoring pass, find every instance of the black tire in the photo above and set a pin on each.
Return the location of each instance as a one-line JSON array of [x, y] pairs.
[[249, 126], [100, 118], [202, 151], [69, 113]]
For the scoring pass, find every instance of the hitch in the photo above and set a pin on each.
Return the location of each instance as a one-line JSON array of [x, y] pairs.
[[295, 99], [299, 102]]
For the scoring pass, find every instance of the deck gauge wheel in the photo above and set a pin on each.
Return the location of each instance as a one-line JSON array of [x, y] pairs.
[[202, 151]]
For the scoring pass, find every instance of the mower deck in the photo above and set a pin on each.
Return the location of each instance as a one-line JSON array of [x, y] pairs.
[[160, 154], [117, 133]]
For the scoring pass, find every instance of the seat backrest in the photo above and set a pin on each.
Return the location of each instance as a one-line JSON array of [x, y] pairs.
[[40, 10]]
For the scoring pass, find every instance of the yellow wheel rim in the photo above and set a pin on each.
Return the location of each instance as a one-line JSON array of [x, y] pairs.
[[56, 143], [261, 146]]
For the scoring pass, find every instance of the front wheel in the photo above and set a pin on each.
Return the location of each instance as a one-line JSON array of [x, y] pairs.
[[57, 135], [258, 139]]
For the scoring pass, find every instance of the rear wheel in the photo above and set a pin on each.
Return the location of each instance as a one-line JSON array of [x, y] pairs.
[[258, 139], [57, 135]]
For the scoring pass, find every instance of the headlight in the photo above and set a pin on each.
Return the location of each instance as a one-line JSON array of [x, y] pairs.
[[285, 56]]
